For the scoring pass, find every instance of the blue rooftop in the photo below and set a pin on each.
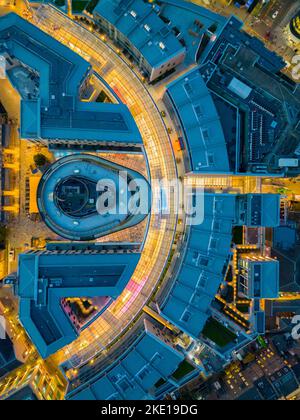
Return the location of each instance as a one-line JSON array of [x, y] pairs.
[[285, 237], [262, 277], [256, 210], [57, 113], [199, 28], [233, 35], [200, 123], [140, 24], [46, 278], [203, 266], [68, 194], [206, 257], [133, 376]]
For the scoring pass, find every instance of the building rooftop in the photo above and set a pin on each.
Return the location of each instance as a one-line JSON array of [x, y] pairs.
[[139, 22], [57, 113], [233, 34], [197, 31], [205, 261], [203, 267], [284, 381], [263, 276], [151, 358], [242, 73], [285, 237], [47, 278], [200, 123], [68, 196], [256, 210], [265, 389], [251, 395], [289, 268], [24, 394]]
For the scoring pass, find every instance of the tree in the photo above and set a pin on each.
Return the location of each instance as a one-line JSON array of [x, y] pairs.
[[40, 159]]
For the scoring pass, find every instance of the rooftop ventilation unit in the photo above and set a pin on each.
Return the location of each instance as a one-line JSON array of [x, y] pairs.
[[162, 46]]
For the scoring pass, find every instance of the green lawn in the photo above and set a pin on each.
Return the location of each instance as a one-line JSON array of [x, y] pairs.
[[217, 333], [183, 369]]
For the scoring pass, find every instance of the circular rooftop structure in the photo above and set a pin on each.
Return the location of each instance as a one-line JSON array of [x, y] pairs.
[[83, 197], [295, 26], [73, 196]]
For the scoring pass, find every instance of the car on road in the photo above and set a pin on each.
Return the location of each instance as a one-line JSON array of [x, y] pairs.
[[275, 14]]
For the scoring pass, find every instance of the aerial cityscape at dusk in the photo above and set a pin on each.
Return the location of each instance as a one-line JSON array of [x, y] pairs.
[[150, 202]]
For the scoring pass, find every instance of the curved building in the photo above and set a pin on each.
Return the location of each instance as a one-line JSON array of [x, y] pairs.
[[138, 371], [295, 26], [187, 304], [83, 197], [51, 111], [47, 278], [191, 106]]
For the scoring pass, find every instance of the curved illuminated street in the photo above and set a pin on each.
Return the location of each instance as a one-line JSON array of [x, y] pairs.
[[162, 165]]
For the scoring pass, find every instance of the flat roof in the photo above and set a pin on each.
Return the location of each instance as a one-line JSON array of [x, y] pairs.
[[141, 25], [203, 267], [58, 113], [249, 76], [198, 23], [263, 280], [200, 123], [45, 278], [264, 210], [134, 374]]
